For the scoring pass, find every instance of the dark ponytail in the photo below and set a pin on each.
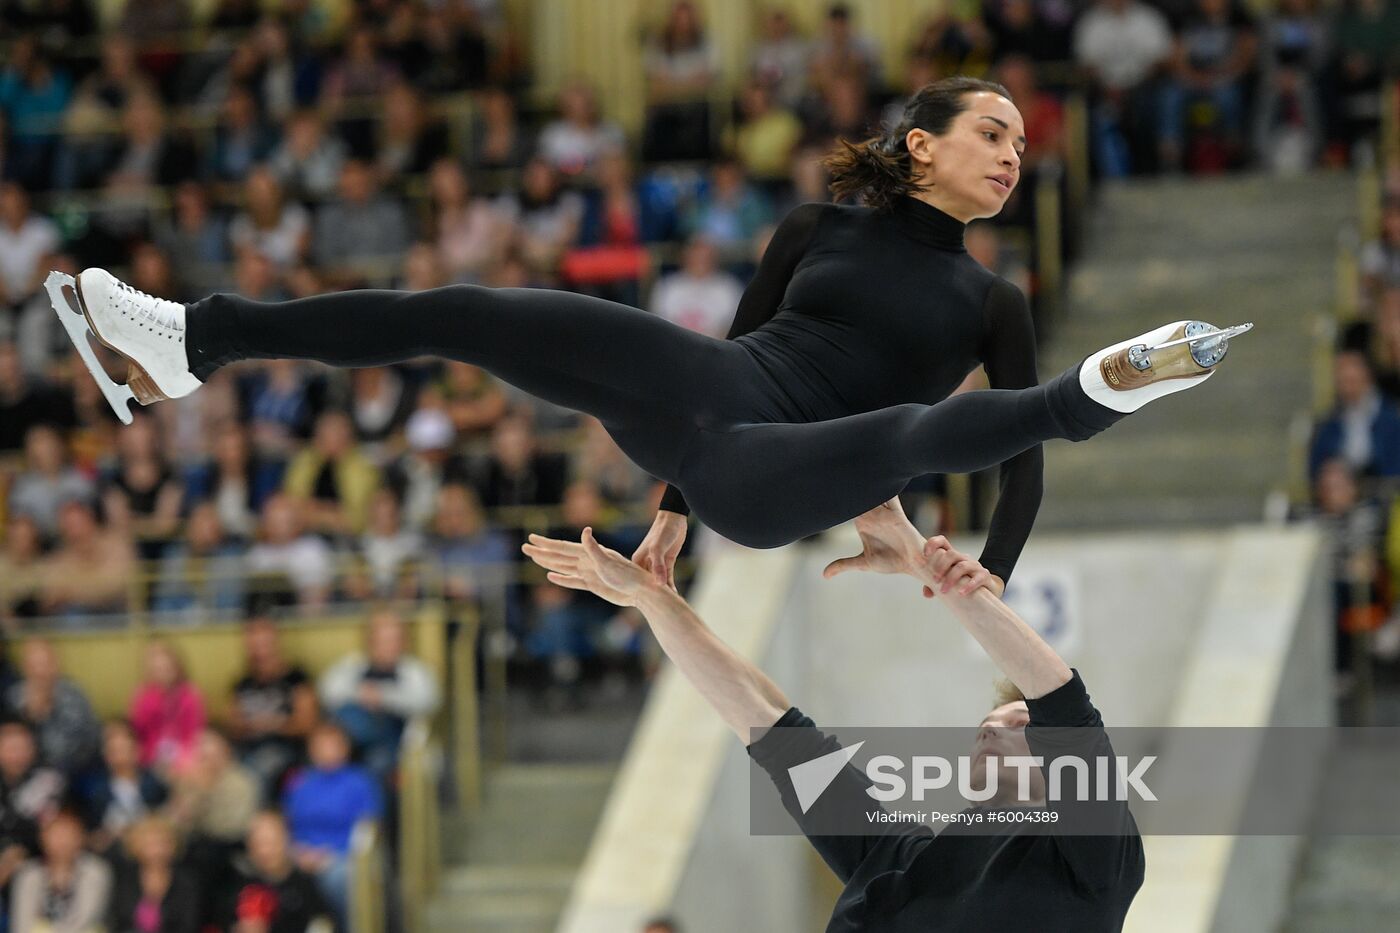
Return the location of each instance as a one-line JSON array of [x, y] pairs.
[[878, 169]]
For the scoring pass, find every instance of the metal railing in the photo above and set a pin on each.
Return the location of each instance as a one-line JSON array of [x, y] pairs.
[[367, 905], [420, 823]]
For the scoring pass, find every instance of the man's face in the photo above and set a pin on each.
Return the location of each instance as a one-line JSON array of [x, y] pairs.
[[16, 750], [1002, 734]]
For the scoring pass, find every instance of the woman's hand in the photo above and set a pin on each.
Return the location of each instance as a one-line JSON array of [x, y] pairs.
[[589, 566], [659, 549], [947, 568], [892, 543]]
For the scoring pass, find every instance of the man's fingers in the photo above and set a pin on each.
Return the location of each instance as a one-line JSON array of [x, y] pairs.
[[841, 565], [567, 580], [963, 568]]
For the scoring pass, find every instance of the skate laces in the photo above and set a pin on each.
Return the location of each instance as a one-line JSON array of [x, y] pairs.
[[159, 311]]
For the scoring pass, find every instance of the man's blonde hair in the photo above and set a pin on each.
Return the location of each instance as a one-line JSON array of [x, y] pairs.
[[1007, 692]]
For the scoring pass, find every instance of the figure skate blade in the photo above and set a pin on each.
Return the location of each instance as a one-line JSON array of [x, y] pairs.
[[63, 294]]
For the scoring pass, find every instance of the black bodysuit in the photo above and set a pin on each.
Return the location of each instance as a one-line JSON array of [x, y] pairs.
[[820, 408]]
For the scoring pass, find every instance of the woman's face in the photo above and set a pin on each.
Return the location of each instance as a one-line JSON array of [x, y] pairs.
[[972, 169], [62, 839], [161, 668], [154, 845]]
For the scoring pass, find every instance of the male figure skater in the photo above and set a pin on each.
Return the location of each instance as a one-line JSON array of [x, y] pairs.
[[908, 878]]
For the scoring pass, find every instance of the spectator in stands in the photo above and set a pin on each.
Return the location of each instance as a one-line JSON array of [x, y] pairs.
[[194, 236], [764, 137], [280, 398], [152, 273], [953, 44], [213, 798], [142, 497], [729, 211], [417, 475], [270, 224], [1384, 343], [1288, 125], [779, 59], [235, 481], [355, 84], [26, 241], [322, 806], [473, 399], [151, 891], [699, 295], [444, 49], [56, 709], [390, 553], [30, 795], [272, 706], [984, 244], [122, 791], [1213, 56], [843, 53], [1353, 528], [1037, 31], [267, 890], [609, 258], [1042, 112], [332, 479], [308, 161], [469, 233], [599, 460], [475, 558], [1363, 428], [25, 400], [1366, 34], [66, 889], [286, 77], [380, 403], [548, 216], [1380, 259], [33, 95], [288, 559], [572, 626], [499, 142], [91, 569], [47, 481], [21, 568], [203, 572], [374, 694], [361, 225], [575, 141], [148, 156], [241, 138], [1122, 44], [408, 140], [517, 472], [167, 711], [843, 112], [680, 64]]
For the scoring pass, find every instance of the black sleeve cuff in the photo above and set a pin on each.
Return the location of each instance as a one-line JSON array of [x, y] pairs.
[[673, 501], [1066, 705]]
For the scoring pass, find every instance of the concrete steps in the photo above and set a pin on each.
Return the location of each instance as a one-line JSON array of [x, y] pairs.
[[511, 865], [1222, 250]]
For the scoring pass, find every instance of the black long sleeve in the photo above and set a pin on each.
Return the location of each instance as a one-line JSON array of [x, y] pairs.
[[764, 294], [1009, 357]]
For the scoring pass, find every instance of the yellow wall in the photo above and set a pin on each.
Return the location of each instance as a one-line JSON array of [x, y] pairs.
[[107, 665]]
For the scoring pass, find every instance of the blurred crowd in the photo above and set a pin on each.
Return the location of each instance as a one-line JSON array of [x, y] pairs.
[[1354, 459], [231, 811], [284, 149]]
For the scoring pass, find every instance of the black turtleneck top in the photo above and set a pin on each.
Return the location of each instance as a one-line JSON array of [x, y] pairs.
[[853, 310]]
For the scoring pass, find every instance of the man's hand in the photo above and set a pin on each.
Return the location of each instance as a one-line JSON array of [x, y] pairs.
[[892, 543], [944, 567], [589, 566], [658, 551]]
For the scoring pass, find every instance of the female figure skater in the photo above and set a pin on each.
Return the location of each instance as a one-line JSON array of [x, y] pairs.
[[833, 392]]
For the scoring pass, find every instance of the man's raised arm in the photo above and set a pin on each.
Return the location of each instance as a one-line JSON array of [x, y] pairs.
[[743, 695], [894, 545]]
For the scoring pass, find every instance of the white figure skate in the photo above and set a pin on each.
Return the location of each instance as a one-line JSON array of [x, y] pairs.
[[1173, 357], [147, 332]]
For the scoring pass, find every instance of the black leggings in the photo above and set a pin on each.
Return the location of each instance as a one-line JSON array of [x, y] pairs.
[[689, 409]]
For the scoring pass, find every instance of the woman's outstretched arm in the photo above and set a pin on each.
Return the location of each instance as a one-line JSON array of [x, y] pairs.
[[1009, 357]]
